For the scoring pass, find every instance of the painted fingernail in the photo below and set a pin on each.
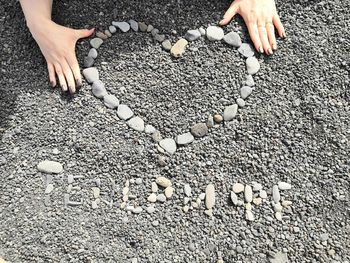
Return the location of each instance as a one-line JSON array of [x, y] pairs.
[[261, 50], [52, 83], [63, 87], [78, 83], [71, 90]]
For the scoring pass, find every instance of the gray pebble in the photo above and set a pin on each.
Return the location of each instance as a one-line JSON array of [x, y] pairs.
[[168, 145], [246, 50], [159, 38], [248, 193], [276, 194], [150, 28], [142, 26], [150, 209], [93, 53], [96, 42], [284, 186], [240, 102], [166, 44], [249, 81], [48, 189], [233, 39], [253, 65], [156, 136], [149, 129], [199, 130], [70, 178], [112, 29], [155, 223], [134, 25], [161, 198], [124, 112], [245, 92], [202, 31], [234, 198], [111, 101], [136, 123], [108, 33], [137, 210], [88, 62], [98, 89], [215, 33], [187, 190], [50, 167], [94, 204], [123, 26], [154, 32], [184, 139], [230, 112], [91, 74], [138, 181], [192, 35]]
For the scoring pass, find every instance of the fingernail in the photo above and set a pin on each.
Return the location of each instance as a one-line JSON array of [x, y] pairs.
[[274, 46], [222, 21], [269, 51], [52, 84], [71, 90], [284, 35], [261, 50], [63, 87], [78, 83]]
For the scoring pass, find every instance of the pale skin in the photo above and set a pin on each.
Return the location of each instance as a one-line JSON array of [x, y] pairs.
[[57, 43]]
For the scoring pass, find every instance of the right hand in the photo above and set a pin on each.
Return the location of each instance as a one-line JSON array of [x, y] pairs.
[[57, 43]]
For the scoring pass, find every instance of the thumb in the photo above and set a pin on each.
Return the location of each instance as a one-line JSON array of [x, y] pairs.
[[82, 33], [230, 13]]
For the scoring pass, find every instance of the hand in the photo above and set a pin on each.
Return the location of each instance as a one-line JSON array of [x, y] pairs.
[[261, 19], [57, 43]]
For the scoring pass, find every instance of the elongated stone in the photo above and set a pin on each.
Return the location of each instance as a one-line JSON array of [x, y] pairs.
[[124, 112], [111, 101], [50, 167], [248, 193], [163, 181], [210, 196], [184, 139], [136, 123], [98, 89], [179, 48]]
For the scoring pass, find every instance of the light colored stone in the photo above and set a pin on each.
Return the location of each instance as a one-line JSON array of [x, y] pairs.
[[201, 196], [202, 31], [240, 102], [253, 65], [169, 145], [96, 42], [123, 26], [169, 191], [230, 112], [150, 209], [192, 35], [248, 193], [111, 101], [88, 62], [159, 37], [108, 33], [246, 50], [199, 130], [98, 89], [156, 136], [286, 203], [186, 208], [249, 81], [125, 190], [154, 32], [257, 201], [210, 196], [277, 207], [233, 39], [124, 112], [179, 48], [209, 212], [278, 216], [215, 33], [149, 129], [184, 139], [263, 194], [136, 123], [112, 29], [93, 53], [163, 181], [238, 188], [187, 190], [284, 186], [161, 198], [149, 28], [142, 26], [134, 25], [152, 198], [256, 187], [50, 167], [101, 35], [246, 91], [234, 198], [248, 206], [49, 189], [91, 74], [96, 192], [276, 194], [249, 215], [154, 187], [166, 44]]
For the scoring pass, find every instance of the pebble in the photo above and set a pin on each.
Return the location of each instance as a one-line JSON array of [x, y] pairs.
[[101, 35], [155, 223], [150, 28], [276, 194], [201, 196], [70, 179], [202, 31], [284, 186], [123, 26], [210, 121], [277, 207], [166, 44], [91, 74], [168, 145], [156, 136], [154, 187], [152, 198], [96, 42], [96, 192], [88, 62], [238, 188], [137, 210], [218, 118], [263, 194], [210, 196], [248, 193], [161, 198], [50, 167], [215, 33], [179, 48], [134, 25], [278, 216], [149, 129], [249, 81], [279, 257], [163, 181], [248, 206], [209, 212], [93, 53], [150, 209], [48, 189], [184, 139], [240, 102], [186, 208], [136, 123], [138, 181], [154, 32], [129, 208], [111, 101], [199, 130], [257, 201], [234, 198], [124, 112], [253, 65], [230, 112], [94, 204], [286, 203], [187, 190], [98, 89], [192, 35], [112, 29], [233, 39], [249, 215], [159, 37], [125, 190], [108, 33], [245, 92], [142, 26], [246, 50], [134, 260], [169, 191]]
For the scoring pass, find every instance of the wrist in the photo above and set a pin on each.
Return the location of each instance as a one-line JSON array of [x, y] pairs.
[[34, 24]]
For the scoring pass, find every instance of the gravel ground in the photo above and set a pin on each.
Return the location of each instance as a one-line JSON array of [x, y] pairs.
[[295, 128]]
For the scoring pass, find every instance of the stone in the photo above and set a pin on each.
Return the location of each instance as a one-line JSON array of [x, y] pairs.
[[142, 27], [149, 28], [91, 74], [286, 203], [263, 194], [202, 31], [93, 53], [284, 186], [154, 187], [233, 39], [112, 29], [276, 194], [234, 198], [98, 89], [169, 145], [257, 201], [111, 101], [256, 186], [101, 35], [248, 193], [210, 196], [249, 81], [88, 62], [152, 198], [169, 191], [49, 189], [126, 190], [70, 179], [134, 260], [95, 192], [279, 257], [161, 198], [149, 129], [249, 215], [230, 112], [150, 209], [159, 37], [163, 181], [278, 216], [199, 130], [186, 208], [215, 33], [156, 136], [209, 212], [245, 92], [187, 190], [238, 188], [179, 48], [253, 65], [277, 207], [240, 102], [94, 204], [138, 181], [108, 33], [246, 50], [248, 206], [124, 112], [192, 35], [136, 123], [210, 121], [50, 167], [134, 25], [201, 196], [218, 118], [166, 44], [96, 42], [184, 139], [154, 32], [123, 26]]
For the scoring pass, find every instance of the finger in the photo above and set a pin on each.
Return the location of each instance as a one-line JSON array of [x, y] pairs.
[[68, 74], [264, 40], [61, 77], [82, 33], [74, 65], [271, 35], [52, 75], [254, 35], [230, 13], [278, 24]]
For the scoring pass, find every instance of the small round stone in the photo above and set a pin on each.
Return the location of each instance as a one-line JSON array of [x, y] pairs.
[[192, 35], [249, 81], [233, 39], [123, 26], [240, 102], [163, 181], [111, 101], [246, 50], [88, 62], [169, 145], [230, 112], [161, 198], [136, 123], [166, 44], [91, 74], [169, 191], [253, 65], [134, 25], [245, 92], [112, 29], [101, 35], [202, 31], [184, 139], [96, 42], [108, 33], [150, 28], [93, 53], [124, 112], [154, 32], [142, 26], [98, 89], [238, 188], [218, 118], [159, 37], [215, 33], [149, 129], [199, 130], [150, 209], [179, 48], [152, 198]]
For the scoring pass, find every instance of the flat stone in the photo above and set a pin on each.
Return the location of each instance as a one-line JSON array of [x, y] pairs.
[[240, 102], [88, 62], [169, 191], [91, 74], [284, 186], [98, 89], [154, 32], [159, 37], [93, 53], [149, 129], [234, 198], [184, 139], [276, 194], [152, 198], [245, 92], [263, 194], [256, 186], [112, 29], [136, 123], [150, 209], [279, 257], [187, 190], [142, 26], [50, 167], [96, 42], [179, 48], [111, 101], [249, 81], [192, 35], [123, 26], [154, 187], [230, 112], [257, 201], [201, 196], [210, 196], [166, 44], [253, 65], [108, 33], [156, 136], [96, 192], [161, 198], [150, 28], [215, 33], [199, 130], [238, 188], [101, 35], [248, 193], [210, 121], [168, 145], [277, 207], [278, 216], [49, 189], [124, 112], [233, 39], [202, 31], [286, 203], [249, 215], [134, 25], [163, 181], [246, 50]]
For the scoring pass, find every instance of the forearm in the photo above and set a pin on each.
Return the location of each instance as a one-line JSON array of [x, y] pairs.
[[36, 11]]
